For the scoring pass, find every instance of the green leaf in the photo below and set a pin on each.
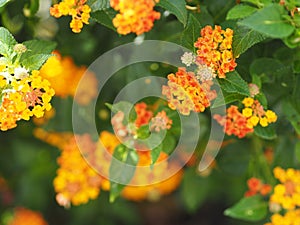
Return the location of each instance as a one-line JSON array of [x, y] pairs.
[[96, 5], [105, 17], [297, 151], [169, 144], [121, 169], [38, 47], [34, 62], [249, 209], [7, 42], [176, 7], [240, 11], [291, 111], [227, 98], [268, 21], [266, 68], [228, 161], [267, 133], [191, 32], [143, 132], [155, 153], [244, 38], [234, 83], [195, 190]]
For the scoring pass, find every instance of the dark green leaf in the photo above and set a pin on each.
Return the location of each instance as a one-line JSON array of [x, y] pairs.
[[169, 144], [265, 67], [244, 38], [176, 7], [268, 21], [267, 133], [297, 151], [240, 11], [143, 132], [226, 99], [155, 152], [292, 113], [7, 42], [121, 169], [98, 4], [195, 190], [191, 32], [249, 209], [261, 97], [105, 17], [35, 62], [234, 83]]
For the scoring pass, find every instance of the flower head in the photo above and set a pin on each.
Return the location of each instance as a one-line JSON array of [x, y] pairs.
[[214, 48], [24, 216]]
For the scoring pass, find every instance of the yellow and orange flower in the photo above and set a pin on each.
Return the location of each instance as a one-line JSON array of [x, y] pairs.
[[78, 9], [136, 16], [29, 96], [24, 216], [214, 49], [291, 217], [64, 77], [185, 93]]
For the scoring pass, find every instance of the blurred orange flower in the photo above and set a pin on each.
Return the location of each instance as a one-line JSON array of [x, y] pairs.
[[24, 216]]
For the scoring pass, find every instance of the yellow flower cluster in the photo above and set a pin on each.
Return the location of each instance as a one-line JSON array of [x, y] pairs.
[[76, 182], [290, 218], [22, 97], [24, 216], [78, 9], [255, 113], [287, 193], [64, 77]]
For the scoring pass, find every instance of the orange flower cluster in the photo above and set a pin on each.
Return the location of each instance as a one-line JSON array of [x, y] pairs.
[[144, 174], [161, 122], [214, 49], [24, 216], [256, 186], [235, 123], [240, 124], [78, 9], [136, 16], [185, 93], [143, 115], [76, 182], [23, 96], [64, 77]]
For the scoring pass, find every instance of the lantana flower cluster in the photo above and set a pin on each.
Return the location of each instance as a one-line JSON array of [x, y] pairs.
[[241, 123], [185, 93], [23, 93], [64, 76], [286, 196], [23, 216], [135, 16], [256, 186], [78, 9], [214, 49]]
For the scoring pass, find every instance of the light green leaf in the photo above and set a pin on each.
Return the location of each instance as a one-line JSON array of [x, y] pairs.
[[269, 21], [176, 7], [98, 4], [240, 11], [267, 133], [191, 32], [249, 209], [244, 38], [7, 42], [155, 153], [121, 170], [105, 17], [292, 113], [34, 62], [39, 47], [3, 2], [234, 83]]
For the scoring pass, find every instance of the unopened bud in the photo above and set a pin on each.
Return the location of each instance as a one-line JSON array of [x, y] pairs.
[[20, 48]]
